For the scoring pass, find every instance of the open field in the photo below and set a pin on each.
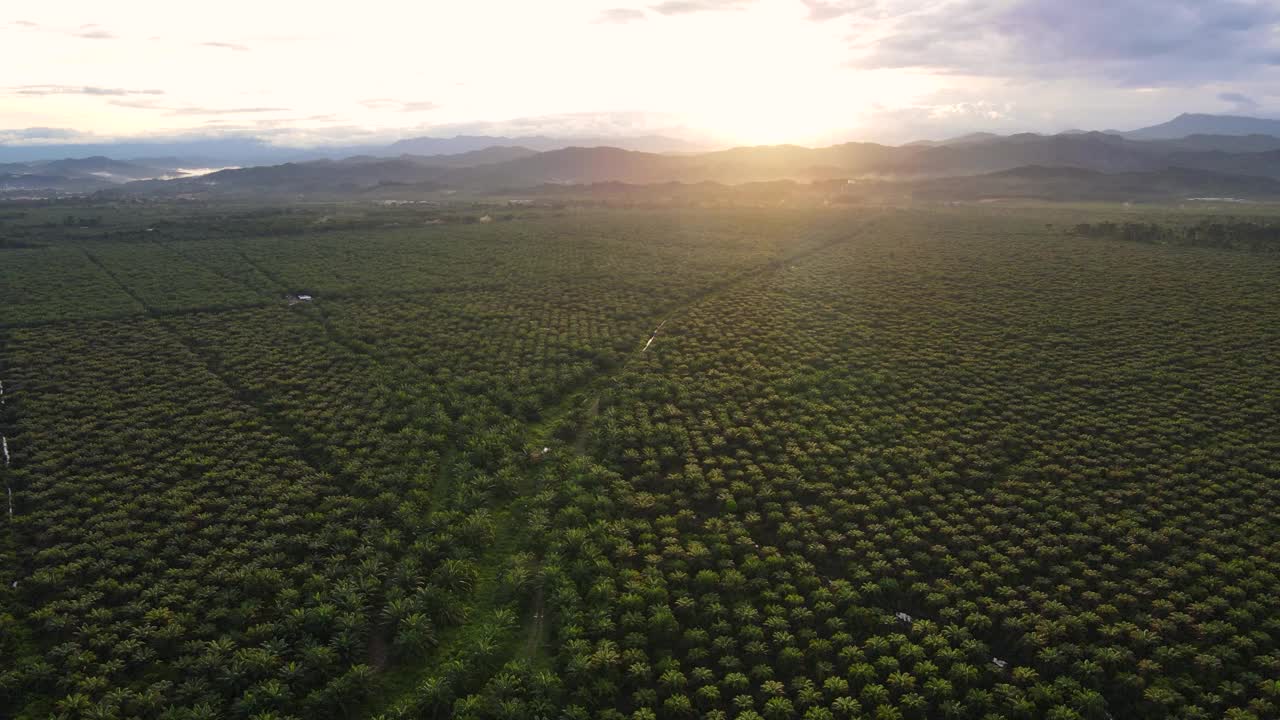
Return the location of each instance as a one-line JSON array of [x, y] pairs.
[[950, 462]]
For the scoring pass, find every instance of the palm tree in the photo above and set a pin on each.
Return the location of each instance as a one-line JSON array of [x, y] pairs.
[[779, 708]]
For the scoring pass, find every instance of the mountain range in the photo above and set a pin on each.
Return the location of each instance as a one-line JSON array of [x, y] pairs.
[[78, 175], [1232, 155], [522, 169], [1201, 124], [244, 151]]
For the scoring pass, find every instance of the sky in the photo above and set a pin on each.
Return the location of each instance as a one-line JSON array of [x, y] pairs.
[[720, 72]]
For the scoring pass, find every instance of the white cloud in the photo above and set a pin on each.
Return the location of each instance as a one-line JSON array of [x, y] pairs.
[[620, 15], [225, 45]]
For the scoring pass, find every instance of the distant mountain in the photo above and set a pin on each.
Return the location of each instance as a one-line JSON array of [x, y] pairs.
[[542, 143], [1222, 143], [971, 138], [486, 156], [513, 168], [90, 167], [78, 175], [577, 165], [354, 174], [84, 175], [782, 162], [101, 167], [1192, 132], [42, 185], [318, 176], [488, 164], [978, 155], [1096, 151], [199, 152], [246, 151], [1264, 164], [1199, 124]]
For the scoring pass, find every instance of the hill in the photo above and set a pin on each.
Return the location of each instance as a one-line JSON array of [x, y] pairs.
[[1188, 124], [968, 139], [512, 168], [542, 143], [1223, 143], [80, 175], [244, 151]]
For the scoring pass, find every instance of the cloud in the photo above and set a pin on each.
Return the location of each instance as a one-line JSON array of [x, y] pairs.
[[288, 133], [94, 32], [972, 110], [25, 24], [686, 7], [80, 90], [579, 125], [195, 110], [620, 15], [822, 10], [225, 45], [420, 106], [1243, 103], [187, 110], [1128, 42], [939, 116], [138, 104], [399, 105]]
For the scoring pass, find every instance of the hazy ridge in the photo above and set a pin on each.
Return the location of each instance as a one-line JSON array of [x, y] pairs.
[[1219, 155]]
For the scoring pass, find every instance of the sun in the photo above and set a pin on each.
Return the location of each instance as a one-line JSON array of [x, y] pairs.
[[756, 123]]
